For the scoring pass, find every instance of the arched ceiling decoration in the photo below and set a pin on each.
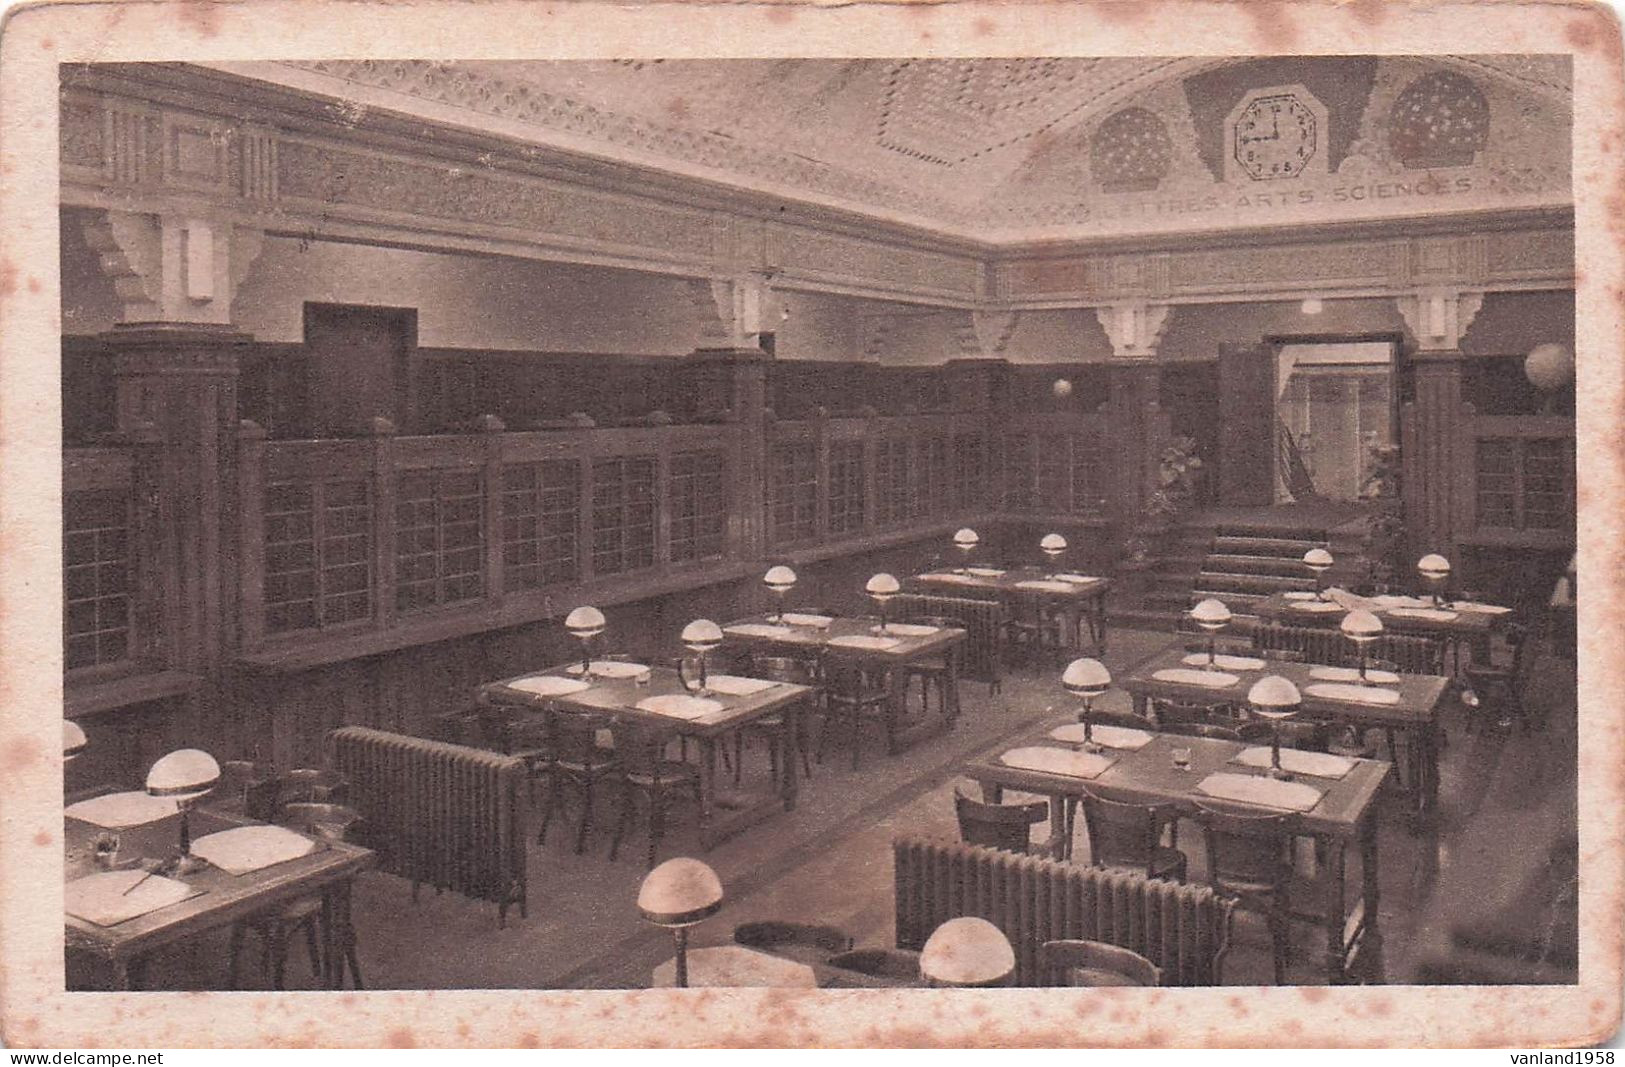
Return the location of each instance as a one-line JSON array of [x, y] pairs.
[[1016, 149]]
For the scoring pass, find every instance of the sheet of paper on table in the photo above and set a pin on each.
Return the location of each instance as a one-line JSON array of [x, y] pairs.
[[908, 629], [759, 629], [795, 618], [1316, 764], [1352, 674], [107, 898], [118, 811], [680, 706], [734, 686], [1122, 737], [874, 644], [1359, 694], [244, 849], [1229, 663], [1058, 761], [549, 685], [1261, 791], [1206, 679], [609, 668]]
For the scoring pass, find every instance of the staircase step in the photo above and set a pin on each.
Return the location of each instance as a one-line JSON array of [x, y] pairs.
[[1223, 563], [1263, 584], [1291, 548], [1267, 530]]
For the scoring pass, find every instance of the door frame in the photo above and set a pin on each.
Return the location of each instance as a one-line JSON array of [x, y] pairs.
[[1397, 395], [405, 381]]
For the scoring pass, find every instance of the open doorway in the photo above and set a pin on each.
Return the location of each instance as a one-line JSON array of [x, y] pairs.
[[1334, 411]]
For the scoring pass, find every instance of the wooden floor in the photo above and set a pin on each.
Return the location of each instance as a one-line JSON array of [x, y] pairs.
[[1508, 801]]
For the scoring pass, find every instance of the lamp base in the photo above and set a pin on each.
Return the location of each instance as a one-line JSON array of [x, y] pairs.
[[1094, 748], [186, 864], [1281, 774]]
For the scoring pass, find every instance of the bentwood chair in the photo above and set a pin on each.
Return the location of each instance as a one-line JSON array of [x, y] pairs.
[[646, 773], [940, 674], [1007, 827], [1249, 860], [1130, 836], [868, 967], [1169, 713], [1094, 963], [1304, 735], [1032, 628], [578, 758], [854, 695], [774, 729], [1499, 690]]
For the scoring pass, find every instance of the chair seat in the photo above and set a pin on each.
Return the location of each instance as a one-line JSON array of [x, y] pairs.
[[672, 773]]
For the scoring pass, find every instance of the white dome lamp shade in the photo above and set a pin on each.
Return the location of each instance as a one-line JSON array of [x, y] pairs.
[[1549, 368], [1363, 628], [1319, 561], [1435, 570], [678, 894], [881, 588], [967, 952], [184, 775], [1087, 679], [584, 624], [1053, 545], [1275, 698], [966, 540], [780, 580], [702, 637], [73, 739], [1211, 616]]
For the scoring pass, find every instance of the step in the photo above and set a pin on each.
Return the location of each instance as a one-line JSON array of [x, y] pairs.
[[1252, 583], [1288, 548], [1275, 530], [1225, 563]]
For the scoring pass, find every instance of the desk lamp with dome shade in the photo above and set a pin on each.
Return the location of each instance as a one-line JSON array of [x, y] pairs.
[[73, 739], [966, 540], [1434, 569], [1211, 616], [967, 952], [1053, 546], [677, 895], [701, 637], [1087, 679], [584, 624], [780, 580], [881, 588], [1319, 561], [1363, 628], [1275, 698], [184, 776]]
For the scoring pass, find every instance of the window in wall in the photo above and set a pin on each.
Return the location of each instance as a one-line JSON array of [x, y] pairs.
[[934, 495], [1088, 479], [968, 473], [1525, 483], [96, 577], [318, 554], [894, 481], [1019, 471], [794, 492], [439, 538], [845, 488], [697, 500], [540, 510], [623, 514], [1054, 473]]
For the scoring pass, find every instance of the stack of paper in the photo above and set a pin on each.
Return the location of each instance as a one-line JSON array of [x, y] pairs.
[[1260, 790], [734, 686], [1058, 761]]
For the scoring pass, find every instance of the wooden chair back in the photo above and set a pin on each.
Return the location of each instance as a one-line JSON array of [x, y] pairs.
[[1123, 834], [1246, 848], [1066, 963], [1002, 826]]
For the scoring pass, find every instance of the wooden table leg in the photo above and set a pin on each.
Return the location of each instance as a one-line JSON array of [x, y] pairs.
[[790, 755], [896, 706], [1060, 827], [1372, 967], [1097, 623], [1336, 910], [1426, 773], [332, 945], [1140, 702], [708, 786]]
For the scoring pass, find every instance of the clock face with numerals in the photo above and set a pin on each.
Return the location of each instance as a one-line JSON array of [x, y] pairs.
[[1274, 137]]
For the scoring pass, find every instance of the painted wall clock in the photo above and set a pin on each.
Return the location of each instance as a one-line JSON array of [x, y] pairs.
[[1276, 133]]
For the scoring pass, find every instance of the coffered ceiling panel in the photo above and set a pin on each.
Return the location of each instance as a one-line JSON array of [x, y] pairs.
[[1030, 148]]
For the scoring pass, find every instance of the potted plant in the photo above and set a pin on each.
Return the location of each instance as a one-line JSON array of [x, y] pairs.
[[1385, 531], [1177, 470]]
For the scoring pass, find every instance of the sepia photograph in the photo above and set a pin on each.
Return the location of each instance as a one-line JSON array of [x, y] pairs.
[[873, 518]]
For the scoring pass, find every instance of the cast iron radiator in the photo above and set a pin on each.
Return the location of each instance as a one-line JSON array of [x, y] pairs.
[[1410, 653], [983, 621], [448, 815], [1183, 929]]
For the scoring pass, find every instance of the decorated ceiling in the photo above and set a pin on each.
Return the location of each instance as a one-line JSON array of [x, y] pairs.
[[1026, 149]]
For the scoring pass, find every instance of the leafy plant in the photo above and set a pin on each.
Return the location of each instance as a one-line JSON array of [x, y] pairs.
[[1385, 534], [1177, 469]]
